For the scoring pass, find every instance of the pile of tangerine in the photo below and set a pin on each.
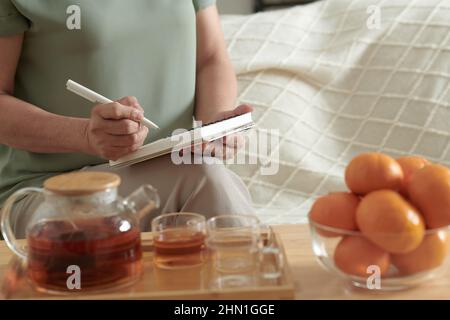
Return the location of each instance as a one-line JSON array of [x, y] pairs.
[[392, 203]]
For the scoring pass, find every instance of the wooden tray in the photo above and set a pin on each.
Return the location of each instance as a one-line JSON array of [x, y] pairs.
[[192, 283]]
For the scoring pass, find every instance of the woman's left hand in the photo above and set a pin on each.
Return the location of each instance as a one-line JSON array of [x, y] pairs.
[[226, 147]]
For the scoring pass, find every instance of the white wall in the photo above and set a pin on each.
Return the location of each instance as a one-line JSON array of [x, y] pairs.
[[235, 6]]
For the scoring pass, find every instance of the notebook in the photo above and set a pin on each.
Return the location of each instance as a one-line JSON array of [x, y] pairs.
[[195, 136]]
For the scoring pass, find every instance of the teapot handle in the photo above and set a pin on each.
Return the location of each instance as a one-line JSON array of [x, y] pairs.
[[7, 231]]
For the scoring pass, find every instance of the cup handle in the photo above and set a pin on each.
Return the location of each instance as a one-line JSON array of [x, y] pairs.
[[267, 235], [143, 200], [7, 231], [277, 256]]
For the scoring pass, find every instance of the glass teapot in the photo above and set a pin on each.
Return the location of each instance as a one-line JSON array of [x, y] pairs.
[[83, 235]]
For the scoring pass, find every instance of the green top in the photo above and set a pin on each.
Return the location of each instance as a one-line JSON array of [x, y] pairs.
[[136, 48]]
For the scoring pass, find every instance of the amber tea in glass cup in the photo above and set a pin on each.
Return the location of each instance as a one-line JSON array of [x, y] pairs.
[[178, 240]]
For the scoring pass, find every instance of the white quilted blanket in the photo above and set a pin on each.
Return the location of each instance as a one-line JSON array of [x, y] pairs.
[[335, 88]]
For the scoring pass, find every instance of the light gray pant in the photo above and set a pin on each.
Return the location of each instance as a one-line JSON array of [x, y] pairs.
[[206, 189]]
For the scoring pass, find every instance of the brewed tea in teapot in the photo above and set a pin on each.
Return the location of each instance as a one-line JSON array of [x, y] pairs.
[[82, 224]]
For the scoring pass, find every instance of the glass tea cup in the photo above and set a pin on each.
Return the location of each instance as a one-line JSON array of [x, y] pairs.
[[178, 239], [240, 251]]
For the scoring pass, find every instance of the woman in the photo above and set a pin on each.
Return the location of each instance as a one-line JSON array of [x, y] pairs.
[[170, 54]]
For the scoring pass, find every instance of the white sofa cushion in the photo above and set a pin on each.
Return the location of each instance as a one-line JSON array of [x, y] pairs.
[[335, 88]]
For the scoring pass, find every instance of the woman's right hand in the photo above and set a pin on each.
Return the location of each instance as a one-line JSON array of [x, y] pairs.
[[114, 129]]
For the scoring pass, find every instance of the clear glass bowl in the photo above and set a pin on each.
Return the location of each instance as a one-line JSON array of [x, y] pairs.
[[325, 240]]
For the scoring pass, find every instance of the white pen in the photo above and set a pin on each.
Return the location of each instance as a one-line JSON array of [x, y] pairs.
[[94, 97]]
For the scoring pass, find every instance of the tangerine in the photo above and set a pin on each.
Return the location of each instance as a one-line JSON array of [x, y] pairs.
[[429, 255], [429, 190], [336, 210], [391, 222], [373, 171], [354, 254], [409, 166]]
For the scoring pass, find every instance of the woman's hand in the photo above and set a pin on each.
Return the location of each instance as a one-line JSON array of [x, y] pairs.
[[216, 84], [114, 129], [226, 147]]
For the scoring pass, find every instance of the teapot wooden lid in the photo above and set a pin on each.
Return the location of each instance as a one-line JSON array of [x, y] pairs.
[[82, 183]]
